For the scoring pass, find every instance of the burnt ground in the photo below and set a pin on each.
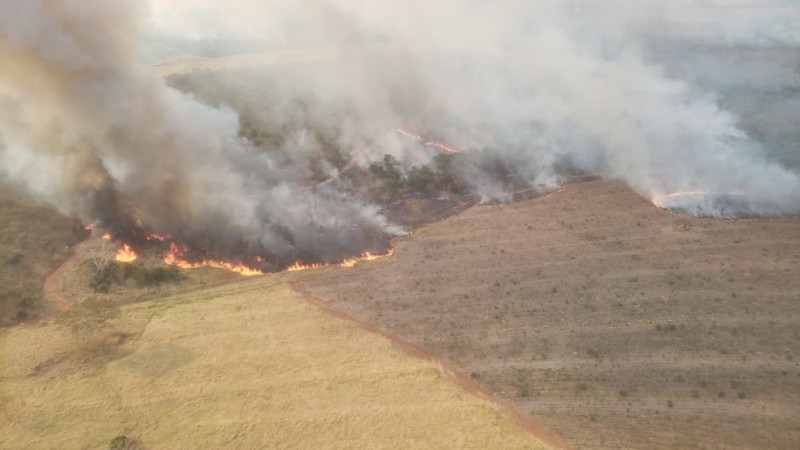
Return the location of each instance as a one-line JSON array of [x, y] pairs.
[[611, 322]]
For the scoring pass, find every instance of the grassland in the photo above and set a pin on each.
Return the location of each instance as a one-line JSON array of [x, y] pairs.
[[34, 240], [612, 323], [245, 365]]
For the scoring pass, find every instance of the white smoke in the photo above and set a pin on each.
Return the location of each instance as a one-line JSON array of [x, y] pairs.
[[535, 86], [99, 137]]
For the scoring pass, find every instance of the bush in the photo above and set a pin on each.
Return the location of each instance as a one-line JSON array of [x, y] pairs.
[[12, 259], [123, 442], [119, 273]]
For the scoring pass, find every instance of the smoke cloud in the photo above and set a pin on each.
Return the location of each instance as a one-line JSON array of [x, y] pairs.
[[649, 92]]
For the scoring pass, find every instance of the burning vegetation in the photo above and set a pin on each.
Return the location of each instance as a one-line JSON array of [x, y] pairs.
[[319, 162], [182, 256], [713, 205]]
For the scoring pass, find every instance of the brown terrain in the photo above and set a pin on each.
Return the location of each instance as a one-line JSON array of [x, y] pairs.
[[610, 322]]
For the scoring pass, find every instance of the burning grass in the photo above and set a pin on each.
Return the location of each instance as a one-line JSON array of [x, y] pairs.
[[176, 256], [716, 205]]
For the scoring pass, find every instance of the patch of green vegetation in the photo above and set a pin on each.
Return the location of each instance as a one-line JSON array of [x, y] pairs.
[[138, 273], [34, 240], [123, 442]]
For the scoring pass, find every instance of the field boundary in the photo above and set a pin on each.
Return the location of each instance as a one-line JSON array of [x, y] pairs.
[[531, 426]]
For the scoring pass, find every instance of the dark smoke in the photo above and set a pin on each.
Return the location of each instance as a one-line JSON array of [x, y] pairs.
[[98, 136]]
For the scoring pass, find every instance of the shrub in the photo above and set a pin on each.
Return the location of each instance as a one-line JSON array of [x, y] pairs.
[[123, 442], [118, 273]]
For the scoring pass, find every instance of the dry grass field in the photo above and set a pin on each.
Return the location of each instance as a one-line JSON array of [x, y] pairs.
[[612, 323], [244, 365]]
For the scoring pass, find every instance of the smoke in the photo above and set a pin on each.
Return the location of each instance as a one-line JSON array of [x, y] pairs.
[[538, 88], [87, 129]]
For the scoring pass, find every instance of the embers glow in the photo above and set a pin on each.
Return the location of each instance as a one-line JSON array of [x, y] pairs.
[[175, 257], [443, 147], [126, 254]]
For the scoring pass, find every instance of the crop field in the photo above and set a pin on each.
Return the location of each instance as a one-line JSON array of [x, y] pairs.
[[611, 322], [244, 365]]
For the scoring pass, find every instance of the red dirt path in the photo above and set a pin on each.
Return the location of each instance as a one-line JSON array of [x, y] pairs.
[[529, 425]]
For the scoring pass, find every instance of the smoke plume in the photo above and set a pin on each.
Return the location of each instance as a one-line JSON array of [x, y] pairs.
[[642, 91]]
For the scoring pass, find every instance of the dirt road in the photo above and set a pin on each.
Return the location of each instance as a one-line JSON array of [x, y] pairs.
[[52, 285]]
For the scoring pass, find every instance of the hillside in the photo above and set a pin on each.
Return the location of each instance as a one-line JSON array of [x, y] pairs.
[[241, 366], [34, 240], [611, 322]]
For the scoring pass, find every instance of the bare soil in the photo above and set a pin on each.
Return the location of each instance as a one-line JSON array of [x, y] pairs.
[[612, 323]]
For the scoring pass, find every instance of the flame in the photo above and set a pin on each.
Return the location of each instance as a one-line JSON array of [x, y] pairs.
[[106, 236], [443, 147], [409, 134], [297, 267], [175, 258], [88, 227], [658, 200], [347, 263], [126, 254], [157, 237], [366, 256]]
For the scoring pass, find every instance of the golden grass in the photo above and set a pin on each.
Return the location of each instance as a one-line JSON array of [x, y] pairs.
[[248, 365]]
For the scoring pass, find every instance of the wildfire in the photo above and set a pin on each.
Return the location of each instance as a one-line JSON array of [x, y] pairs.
[[658, 200], [443, 147], [296, 267], [175, 258], [351, 262], [126, 254], [366, 256]]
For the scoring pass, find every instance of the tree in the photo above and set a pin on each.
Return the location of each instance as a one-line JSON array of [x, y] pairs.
[[100, 252]]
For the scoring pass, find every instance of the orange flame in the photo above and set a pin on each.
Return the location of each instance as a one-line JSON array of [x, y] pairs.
[[298, 267], [658, 200], [157, 237], [175, 258], [126, 254], [106, 236], [443, 147], [366, 256]]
